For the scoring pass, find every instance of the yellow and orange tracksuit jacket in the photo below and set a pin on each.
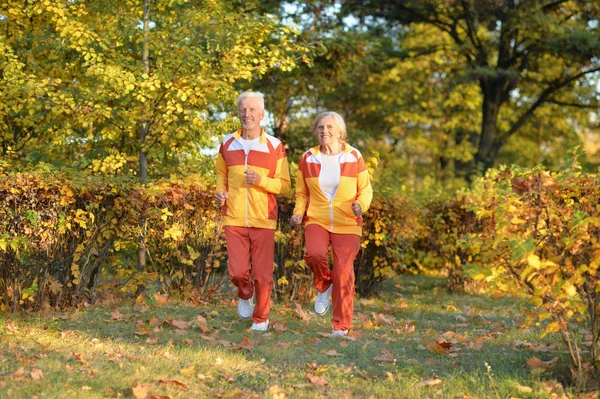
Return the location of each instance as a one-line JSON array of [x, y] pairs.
[[252, 206], [335, 216]]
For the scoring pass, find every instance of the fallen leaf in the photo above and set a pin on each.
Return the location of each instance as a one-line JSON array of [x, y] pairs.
[[154, 322], [386, 356], [277, 392], [178, 324], [246, 344], [301, 312], [202, 324], [317, 380], [319, 369], [36, 374], [80, 358], [441, 348], [280, 327], [140, 391], [187, 341], [188, 371], [390, 376], [381, 319], [174, 383], [152, 341], [116, 315], [535, 363], [429, 382], [19, 373], [333, 352], [476, 345], [161, 299]]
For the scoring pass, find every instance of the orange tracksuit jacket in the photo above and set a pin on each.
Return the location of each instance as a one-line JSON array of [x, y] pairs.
[[252, 206], [335, 216]]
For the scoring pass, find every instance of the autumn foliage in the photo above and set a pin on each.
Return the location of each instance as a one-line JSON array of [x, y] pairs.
[[71, 237], [533, 233]]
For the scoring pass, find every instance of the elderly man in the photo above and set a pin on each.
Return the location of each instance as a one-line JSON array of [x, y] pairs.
[[252, 168]]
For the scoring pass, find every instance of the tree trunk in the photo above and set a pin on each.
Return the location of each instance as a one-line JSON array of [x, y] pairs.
[[492, 90], [144, 130]]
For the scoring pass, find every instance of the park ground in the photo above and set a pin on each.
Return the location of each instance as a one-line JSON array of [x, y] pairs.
[[411, 340]]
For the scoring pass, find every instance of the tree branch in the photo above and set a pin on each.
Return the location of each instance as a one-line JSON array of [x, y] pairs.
[[542, 98], [575, 105], [552, 6]]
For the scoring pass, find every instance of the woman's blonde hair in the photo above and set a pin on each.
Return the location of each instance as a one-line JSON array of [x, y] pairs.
[[338, 120]]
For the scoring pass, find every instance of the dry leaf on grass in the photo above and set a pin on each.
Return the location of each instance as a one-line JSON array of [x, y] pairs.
[[386, 356], [36, 374], [317, 380], [140, 391], [246, 344], [118, 316], [202, 324], [535, 363], [178, 324], [381, 319], [174, 383], [333, 352], [188, 371], [154, 322], [301, 312], [317, 368], [279, 327], [428, 382], [277, 392], [161, 299]]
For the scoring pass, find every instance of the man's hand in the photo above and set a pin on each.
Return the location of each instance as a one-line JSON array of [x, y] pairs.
[[252, 178], [356, 209], [221, 197], [296, 220]]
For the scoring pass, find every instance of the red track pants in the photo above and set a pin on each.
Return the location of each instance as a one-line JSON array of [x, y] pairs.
[[345, 248], [251, 254]]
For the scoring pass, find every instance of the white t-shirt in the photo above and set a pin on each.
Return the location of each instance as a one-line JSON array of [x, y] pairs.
[[329, 177], [248, 144]]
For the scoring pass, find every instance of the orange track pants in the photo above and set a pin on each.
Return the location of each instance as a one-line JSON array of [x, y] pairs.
[[250, 266], [345, 248]]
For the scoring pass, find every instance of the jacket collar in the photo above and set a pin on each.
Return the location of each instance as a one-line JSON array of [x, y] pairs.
[[316, 150], [263, 135]]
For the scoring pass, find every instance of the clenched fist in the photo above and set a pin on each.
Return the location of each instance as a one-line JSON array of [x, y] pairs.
[[296, 220], [356, 209], [221, 197], [252, 177]]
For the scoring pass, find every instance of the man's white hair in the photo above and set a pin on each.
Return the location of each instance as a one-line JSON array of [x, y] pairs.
[[252, 94]]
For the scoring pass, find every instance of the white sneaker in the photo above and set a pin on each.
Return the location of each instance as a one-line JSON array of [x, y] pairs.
[[264, 326], [323, 301], [339, 332], [245, 308]]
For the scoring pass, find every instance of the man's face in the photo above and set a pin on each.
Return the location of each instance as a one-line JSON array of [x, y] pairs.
[[250, 113]]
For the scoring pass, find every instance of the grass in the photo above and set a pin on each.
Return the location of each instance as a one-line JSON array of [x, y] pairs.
[[97, 353]]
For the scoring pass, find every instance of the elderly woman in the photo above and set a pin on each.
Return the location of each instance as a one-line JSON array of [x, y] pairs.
[[332, 192]]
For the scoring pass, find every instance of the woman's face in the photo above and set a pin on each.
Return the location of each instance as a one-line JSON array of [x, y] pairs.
[[327, 131]]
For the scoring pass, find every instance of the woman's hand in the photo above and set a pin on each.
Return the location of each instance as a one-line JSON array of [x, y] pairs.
[[221, 197], [356, 209], [296, 220]]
